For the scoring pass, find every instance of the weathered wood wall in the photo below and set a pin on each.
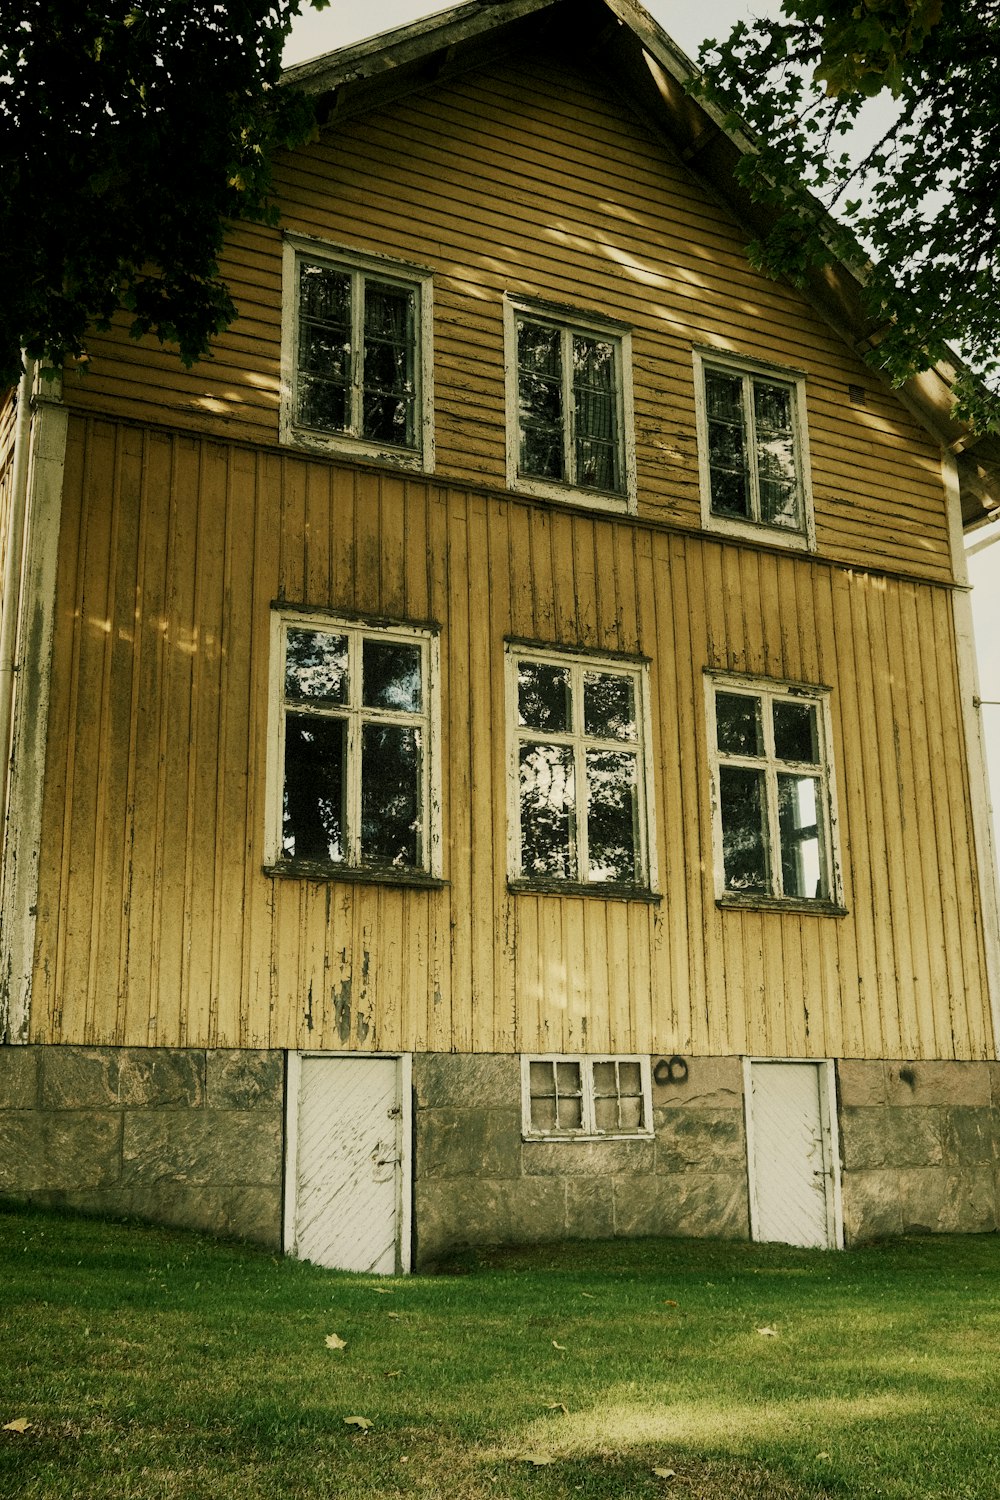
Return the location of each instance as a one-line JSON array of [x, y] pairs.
[[535, 180], [157, 925]]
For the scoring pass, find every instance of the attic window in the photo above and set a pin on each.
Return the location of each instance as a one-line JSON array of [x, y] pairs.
[[753, 450], [569, 406], [356, 360]]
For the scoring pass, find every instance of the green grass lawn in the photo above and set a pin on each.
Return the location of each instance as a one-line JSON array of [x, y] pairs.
[[157, 1364]]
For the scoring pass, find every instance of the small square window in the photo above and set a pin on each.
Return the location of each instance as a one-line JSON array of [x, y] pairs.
[[569, 407], [773, 791], [586, 1096], [356, 354], [351, 756], [579, 772], [753, 450]]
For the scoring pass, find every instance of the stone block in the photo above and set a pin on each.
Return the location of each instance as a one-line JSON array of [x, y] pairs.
[[239, 1079], [871, 1205], [871, 1138], [475, 1143], [705, 1140], [252, 1214], [970, 1203], [136, 1077], [712, 1083], [590, 1208], [695, 1205], [82, 1150], [863, 1137], [587, 1158], [465, 1080], [923, 1194], [18, 1077], [993, 1068], [449, 1215], [222, 1148], [967, 1136], [860, 1083], [938, 1083]]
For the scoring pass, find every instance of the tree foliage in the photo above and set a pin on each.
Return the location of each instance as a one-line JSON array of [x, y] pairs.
[[132, 132], [922, 195]]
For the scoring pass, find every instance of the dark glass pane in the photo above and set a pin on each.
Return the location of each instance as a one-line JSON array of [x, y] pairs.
[[593, 364], [313, 816], [390, 675], [724, 396], [776, 459], [605, 1080], [726, 446], [539, 349], [324, 293], [609, 705], [390, 794], [596, 465], [730, 495], [325, 350], [612, 815], [548, 802], [744, 849], [388, 400], [389, 314], [387, 368], [388, 419], [772, 408], [322, 404], [316, 666], [544, 695], [802, 872], [795, 733], [541, 453], [738, 724], [596, 414], [539, 401], [779, 504]]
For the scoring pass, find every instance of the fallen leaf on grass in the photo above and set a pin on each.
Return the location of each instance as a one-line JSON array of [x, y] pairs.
[[332, 1341], [823, 1455], [557, 1406], [767, 1333], [538, 1459], [590, 1295], [392, 1374], [665, 1473], [669, 1302], [559, 1346], [384, 1291], [396, 1316], [362, 1423], [19, 1424]]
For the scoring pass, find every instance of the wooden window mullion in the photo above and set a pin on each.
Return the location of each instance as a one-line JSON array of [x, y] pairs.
[[357, 352]]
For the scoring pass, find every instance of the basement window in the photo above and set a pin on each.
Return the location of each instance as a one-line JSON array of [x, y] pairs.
[[356, 354], [585, 1097]]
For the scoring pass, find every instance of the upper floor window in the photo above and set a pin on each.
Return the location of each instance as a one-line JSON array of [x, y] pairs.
[[569, 407], [356, 354], [351, 758], [579, 771], [773, 791], [753, 450]]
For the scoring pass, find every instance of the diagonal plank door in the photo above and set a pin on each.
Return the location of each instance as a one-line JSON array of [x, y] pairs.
[[791, 1159], [347, 1163]]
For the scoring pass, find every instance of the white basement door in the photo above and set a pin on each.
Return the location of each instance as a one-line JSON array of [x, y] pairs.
[[791, 1158], [345, 1168]]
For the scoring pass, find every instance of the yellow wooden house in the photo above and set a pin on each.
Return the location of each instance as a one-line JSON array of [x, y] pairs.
[[493, 752]]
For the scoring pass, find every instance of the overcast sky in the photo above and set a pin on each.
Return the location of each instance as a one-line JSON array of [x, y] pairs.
[[689, 22]]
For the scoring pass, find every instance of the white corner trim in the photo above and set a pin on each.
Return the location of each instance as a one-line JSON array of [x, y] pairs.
[[979, 789], [21, 834]]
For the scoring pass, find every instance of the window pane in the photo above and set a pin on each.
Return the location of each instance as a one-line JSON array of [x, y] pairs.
[[802, 872], [324, 348], [570, 1101], [606, 1114], [738, 724], [323, 404], [795, 732], [772, 408], [540, 400], [316, 666], [543, 1113], [724, 396], [313, 816], [544, 696], [548, 798], [568, 1078], [390, 794], [612, 815], [609, 705], [730, 494], [605, 1080], [630, 1113], [630, 1078], [596, 412], [570, 1114], [389, 390], [391, 672], [779, 504], [744, 848], [726, 447], [324, 293], [541, 1080], [541, 452], [596, 465]]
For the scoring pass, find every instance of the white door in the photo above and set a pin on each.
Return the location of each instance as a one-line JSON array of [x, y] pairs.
[[793, 1195], [344, 1192]]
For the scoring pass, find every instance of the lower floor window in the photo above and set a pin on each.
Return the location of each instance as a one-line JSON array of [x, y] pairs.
[[586, 1096]]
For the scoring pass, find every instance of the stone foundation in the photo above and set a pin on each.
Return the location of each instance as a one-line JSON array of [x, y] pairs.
[[189, 1137], [477, 1182]]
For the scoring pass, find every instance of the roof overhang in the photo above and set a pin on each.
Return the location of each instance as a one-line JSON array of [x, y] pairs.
[[651, 73]]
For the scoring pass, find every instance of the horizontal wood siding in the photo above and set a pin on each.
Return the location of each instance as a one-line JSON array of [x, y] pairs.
[[534, 180], [157, 925]]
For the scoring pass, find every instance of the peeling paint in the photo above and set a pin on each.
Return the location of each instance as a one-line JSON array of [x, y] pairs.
[[341, 998]]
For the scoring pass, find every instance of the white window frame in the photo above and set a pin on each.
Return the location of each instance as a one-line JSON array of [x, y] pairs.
[[428, 720], [588, 1130], [570, 321], [358, 265], [770, 690], [801, 539], [646, 882]]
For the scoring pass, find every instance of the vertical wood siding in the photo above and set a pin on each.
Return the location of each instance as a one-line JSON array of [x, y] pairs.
[[157, 925], [533, 179]]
